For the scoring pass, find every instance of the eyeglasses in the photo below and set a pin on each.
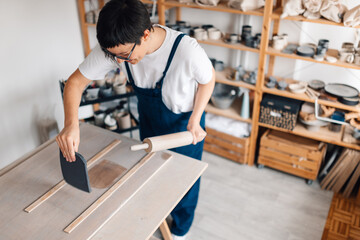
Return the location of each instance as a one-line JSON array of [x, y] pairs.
[[121, 57]]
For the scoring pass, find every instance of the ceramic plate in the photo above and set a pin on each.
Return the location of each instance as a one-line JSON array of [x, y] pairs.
[[341, 90], [305, 51]]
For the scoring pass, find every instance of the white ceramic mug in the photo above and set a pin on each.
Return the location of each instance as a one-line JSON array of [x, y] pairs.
[[348, 46], [214, 33], [278, 42], [200, 34], [123, 120], [346, 56], [119, 88], [233, 38], [99, 119]]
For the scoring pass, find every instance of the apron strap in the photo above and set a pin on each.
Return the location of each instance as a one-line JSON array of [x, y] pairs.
[[171, 56], [129, 74]]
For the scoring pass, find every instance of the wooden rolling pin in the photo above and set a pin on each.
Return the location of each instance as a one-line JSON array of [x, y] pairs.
[[164, 142]]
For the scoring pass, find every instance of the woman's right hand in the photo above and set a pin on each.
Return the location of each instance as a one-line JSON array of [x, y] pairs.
[[68, 141]]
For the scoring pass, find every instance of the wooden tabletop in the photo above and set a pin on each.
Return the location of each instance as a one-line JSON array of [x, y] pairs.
[[134, 211]]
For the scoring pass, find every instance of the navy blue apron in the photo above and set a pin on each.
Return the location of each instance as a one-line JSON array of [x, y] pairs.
[[156, 119]]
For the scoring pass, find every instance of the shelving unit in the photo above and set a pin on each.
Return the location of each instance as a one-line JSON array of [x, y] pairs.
[[134, 121], [221, 7], [233, 112], [330, 52], [236, 46], [270, 14], [323, 134], [304, 97], [221, 77], [278, 11]]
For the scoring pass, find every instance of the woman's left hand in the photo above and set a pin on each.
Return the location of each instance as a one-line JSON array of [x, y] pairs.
[[197, 131]]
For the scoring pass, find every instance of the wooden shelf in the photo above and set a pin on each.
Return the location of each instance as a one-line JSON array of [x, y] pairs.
[[304, 97], [233, 112], [221, 7], [147, 1], [236, 46], [330, 52], [277, 13], [323, 135], [222, 77]]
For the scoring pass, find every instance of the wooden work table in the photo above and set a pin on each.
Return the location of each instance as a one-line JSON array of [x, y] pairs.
[[134, 211]]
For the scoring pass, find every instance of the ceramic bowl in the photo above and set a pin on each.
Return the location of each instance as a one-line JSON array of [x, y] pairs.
[[224, 95], [271, 84], [297, 88], [314, 125], [316, 84], [282, 85]]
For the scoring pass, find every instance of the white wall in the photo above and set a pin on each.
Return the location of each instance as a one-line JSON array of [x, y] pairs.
[[40, 43]]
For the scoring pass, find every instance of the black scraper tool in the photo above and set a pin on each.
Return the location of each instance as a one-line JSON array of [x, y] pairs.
[[75, 173]]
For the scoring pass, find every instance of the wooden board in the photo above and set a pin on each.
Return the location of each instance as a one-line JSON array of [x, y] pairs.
[[351, 184], [34, 176]]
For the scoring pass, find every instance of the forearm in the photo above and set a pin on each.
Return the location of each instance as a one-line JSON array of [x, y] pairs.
[[73, 90], [202, 97]]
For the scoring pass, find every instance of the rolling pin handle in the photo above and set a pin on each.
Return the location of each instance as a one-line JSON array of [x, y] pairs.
[[139, 147]]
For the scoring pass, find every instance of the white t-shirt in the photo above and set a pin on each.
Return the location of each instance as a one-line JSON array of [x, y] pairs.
[[189, 67]]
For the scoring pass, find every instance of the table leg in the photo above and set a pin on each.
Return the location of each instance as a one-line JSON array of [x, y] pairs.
[[165, 231]]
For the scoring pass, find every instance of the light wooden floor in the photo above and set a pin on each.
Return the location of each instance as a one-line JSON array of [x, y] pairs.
[[241, 202]]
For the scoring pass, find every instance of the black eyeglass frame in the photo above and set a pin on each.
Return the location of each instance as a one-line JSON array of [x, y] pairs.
[[121, 57]]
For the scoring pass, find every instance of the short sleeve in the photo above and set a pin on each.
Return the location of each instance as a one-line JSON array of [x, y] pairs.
[[200, 63], [96, 65]]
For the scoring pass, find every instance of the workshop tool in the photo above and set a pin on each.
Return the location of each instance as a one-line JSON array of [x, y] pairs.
[[62, 183], [163, 142], [112, 189], [75, 173]]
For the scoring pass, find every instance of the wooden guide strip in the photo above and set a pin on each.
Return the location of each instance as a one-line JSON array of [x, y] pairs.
[[109, 192], [62, 183]]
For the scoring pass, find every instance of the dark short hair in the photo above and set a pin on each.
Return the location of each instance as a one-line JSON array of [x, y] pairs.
[[121, 22]]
